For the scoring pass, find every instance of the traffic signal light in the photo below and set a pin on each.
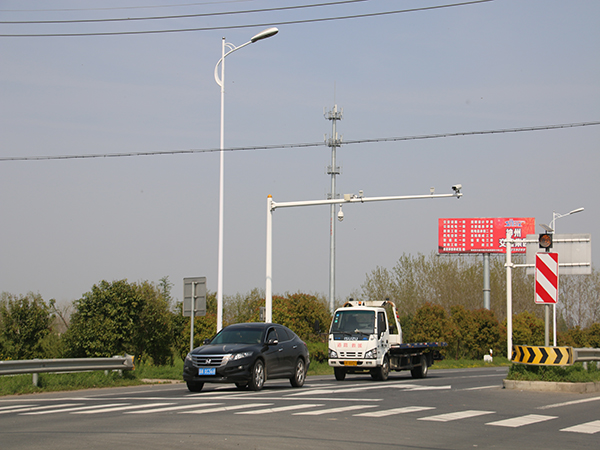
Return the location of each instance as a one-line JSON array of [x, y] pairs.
[[545, 241]]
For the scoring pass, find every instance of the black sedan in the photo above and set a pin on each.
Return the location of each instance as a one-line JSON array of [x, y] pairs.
[[248, 354]]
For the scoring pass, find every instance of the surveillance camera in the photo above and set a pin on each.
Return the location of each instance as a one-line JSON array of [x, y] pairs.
[[457, 187], [340, 215], [360, 193]]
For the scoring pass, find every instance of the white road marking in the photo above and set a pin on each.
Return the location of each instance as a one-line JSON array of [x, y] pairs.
[[587, 428], [456, 415], [391, 412], [521, 421], [64, 410], [226, 408], [14, 408], [481, 387], [333, 410], [39, 408], [574, 402], [172, 408], [121, 408], [281, 409]]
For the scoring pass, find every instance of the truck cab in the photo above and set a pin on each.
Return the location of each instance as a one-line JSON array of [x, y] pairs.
[[366, 337], [359, 340]]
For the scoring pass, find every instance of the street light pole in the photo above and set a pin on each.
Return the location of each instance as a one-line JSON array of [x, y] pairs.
[[221, 82], [555, 216]]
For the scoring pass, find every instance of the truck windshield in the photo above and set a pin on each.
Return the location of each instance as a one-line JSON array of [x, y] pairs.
[[353, 322]]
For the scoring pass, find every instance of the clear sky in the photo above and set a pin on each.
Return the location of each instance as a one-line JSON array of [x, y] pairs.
[[503, 64]]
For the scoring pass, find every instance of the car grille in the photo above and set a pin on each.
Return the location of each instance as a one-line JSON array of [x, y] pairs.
[[207, 360], [351, 354]]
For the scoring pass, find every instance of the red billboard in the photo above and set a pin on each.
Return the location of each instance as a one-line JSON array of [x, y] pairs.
[[483, 235]]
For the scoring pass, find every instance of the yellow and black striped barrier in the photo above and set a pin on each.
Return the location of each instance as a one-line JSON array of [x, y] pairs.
[[543, 356]]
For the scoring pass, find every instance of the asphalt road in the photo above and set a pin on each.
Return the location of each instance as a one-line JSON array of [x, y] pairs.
[[451, 409]]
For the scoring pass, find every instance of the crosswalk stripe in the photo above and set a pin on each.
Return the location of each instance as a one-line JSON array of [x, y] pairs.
[[2, 408], [13, 408], [39, 408], [456, 415], [280, 409], [587, 428], [226, 408], [391, 412], [172, 408], [124, 407], [516, 422], [64, 410], [333, 410]]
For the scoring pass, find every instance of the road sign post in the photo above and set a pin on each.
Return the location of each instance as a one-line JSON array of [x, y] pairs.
[[194, 301], [546, 284]]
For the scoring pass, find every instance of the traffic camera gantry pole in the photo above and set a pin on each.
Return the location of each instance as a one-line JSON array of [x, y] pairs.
[[348, 198]]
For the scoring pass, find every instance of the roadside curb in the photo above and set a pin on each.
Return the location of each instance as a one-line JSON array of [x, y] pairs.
[[549, 386]]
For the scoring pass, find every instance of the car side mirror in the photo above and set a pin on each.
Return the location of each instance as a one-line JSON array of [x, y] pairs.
[[272, 342], [206, 341]]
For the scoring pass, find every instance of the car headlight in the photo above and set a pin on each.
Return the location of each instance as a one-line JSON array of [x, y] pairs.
[[371, 354], [188, 357], [333, 354], [236, 356]]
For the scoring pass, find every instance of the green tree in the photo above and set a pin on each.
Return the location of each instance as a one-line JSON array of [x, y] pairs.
[[153, 328], [121, 317], [244, 308], [104, 320], [24, 323], [528, 329], [487, 335], [462, 339], [304, 314], [448, 281], [430, 324]]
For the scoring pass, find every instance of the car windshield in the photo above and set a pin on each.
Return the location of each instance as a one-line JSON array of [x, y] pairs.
[[361, 322], [238, 336]]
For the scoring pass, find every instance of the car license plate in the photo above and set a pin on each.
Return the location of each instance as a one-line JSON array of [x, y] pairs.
[[208, 371], [350, 363]]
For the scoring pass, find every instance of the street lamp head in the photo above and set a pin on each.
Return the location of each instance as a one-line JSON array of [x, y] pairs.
[[576, 210], [265, 34]]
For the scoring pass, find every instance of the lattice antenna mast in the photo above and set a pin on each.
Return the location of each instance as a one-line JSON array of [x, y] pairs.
[[334, 142]]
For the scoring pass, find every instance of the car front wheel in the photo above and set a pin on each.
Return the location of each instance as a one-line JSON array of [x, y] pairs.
[[194, 386], [258, 376], [299, 374]]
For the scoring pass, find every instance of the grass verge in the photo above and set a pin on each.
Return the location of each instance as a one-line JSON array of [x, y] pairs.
[[576, 373]]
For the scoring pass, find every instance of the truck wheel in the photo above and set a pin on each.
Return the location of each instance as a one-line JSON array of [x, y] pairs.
[[299, 374], [340, 374], [382, 373], [194, 386], [421, 371]]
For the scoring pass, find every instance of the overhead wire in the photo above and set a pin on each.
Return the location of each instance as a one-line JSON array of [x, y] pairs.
[[180, 16], [301, 145], [114, 8], [254, 25]]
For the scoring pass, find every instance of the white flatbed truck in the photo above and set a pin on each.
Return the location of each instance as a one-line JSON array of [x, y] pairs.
[[363, 340]]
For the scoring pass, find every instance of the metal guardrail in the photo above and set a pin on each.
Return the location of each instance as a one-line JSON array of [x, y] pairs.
[[586, 354], [35, 366]]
